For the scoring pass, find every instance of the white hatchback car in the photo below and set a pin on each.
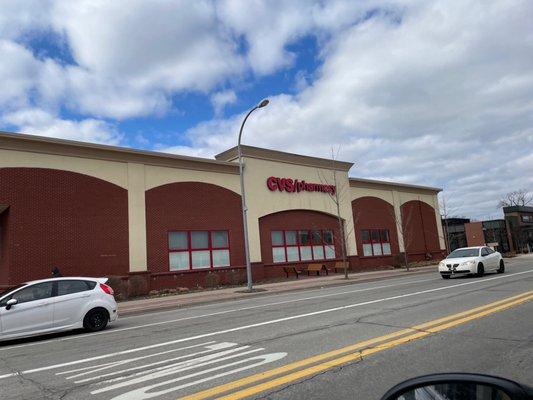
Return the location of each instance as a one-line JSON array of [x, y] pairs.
[[56, 304], [471, 260]]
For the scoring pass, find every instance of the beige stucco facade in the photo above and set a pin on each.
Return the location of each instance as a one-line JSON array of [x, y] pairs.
[[262, 201], [397, 194], [138, 171]]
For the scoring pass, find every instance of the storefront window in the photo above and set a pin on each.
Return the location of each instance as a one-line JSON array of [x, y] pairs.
[[198, 249], [376, 242], [302, 245]]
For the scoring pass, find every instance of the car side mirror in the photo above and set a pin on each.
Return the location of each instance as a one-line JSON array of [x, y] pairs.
[[10, 303], [458, 386]]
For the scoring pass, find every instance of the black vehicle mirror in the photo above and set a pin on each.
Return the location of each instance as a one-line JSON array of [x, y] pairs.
[[10, 303], [458, 387]]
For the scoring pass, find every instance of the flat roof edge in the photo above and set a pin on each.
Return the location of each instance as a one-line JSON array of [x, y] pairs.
[[282, 156], [397, 184], [26, 142]]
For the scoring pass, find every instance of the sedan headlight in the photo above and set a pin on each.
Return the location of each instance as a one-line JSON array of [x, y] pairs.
[[469, 263], [442, 264]]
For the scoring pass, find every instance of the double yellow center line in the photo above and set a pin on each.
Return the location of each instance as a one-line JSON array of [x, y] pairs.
[[321, 362]]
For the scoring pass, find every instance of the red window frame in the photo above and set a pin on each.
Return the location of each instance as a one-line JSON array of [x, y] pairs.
[[190, 250], [371, 241], [299, 244]]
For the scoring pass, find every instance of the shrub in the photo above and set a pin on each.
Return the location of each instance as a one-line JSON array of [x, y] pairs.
[[235, 277], [212, 280], [119, 286], [137, 285]]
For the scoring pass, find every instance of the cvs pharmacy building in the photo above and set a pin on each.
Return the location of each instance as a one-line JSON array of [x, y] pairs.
[[168, 221]]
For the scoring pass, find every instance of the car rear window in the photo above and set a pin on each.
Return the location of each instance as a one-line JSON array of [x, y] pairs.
[[65, 287]]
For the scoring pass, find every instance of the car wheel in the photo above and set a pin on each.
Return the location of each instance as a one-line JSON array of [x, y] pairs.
[[96, 320], [445, 276], [501, 270], [480, 270]]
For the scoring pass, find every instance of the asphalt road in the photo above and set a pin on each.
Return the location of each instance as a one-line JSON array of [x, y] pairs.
[[346, 342]]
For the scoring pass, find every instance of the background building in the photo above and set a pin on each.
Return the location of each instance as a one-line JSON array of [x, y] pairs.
[[519, 220], [463, 233], [454, 229], [496, 235], [172, 221]]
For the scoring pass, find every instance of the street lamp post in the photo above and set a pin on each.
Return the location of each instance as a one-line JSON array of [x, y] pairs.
[[264, 103]]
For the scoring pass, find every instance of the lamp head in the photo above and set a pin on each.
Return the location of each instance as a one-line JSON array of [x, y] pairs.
[[264, 103]]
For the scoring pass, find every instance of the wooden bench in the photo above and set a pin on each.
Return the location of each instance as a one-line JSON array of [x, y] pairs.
[[291, 268], [339, 266], [316, 268]]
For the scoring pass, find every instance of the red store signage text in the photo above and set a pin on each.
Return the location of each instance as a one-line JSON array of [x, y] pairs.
[[295, 186]]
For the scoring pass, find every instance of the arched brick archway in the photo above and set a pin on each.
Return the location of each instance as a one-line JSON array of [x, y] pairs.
[[189, 206], [373, 213], [60, 218], [295, 220], [421, 233]]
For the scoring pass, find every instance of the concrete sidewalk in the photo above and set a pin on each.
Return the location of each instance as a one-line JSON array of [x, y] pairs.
[[218, 295]]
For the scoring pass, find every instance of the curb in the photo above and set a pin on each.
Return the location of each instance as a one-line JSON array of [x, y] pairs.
[[240, 296]]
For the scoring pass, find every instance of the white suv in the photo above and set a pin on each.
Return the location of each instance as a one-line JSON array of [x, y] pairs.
[[471, 260], [56, 304]]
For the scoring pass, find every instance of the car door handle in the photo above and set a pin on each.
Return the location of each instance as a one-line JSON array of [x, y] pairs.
[[85, 295]]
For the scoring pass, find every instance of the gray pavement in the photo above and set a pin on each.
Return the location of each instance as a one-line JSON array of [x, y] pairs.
[[174, 353], [137, 306]]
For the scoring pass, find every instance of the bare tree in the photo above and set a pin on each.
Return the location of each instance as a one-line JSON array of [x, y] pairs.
[[446, 211], [520, 197], [403, 224], [340, 193]]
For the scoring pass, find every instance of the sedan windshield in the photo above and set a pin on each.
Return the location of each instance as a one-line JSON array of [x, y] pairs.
[[464, 253]]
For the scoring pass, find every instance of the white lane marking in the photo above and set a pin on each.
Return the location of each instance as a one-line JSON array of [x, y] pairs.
[[215, 347], [140, 394], [400, 281], [210, 349], [113, 363], [172, 369], [109, 331], [258, 324]]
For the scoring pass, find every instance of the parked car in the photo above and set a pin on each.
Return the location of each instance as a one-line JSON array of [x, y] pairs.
[[471, 260], [56, 304]]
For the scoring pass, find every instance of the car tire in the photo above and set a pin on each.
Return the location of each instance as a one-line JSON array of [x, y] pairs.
[[445, 276], [501, 270], [96, 320], [480, 270]]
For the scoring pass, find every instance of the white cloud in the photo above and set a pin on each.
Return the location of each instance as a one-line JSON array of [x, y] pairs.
[[446, 93], [41, 123], [134, 60], [429, 92], [222, 99], [19, 17], [17, 72]]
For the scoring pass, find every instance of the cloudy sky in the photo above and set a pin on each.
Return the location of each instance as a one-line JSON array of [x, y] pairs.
[[436, 93]]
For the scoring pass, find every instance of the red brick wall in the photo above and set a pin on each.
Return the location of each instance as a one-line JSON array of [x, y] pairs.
[[5, 238], [65, 219], [374, 213], [421, 230], [191, 206], [474, 234], [294, 220]]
